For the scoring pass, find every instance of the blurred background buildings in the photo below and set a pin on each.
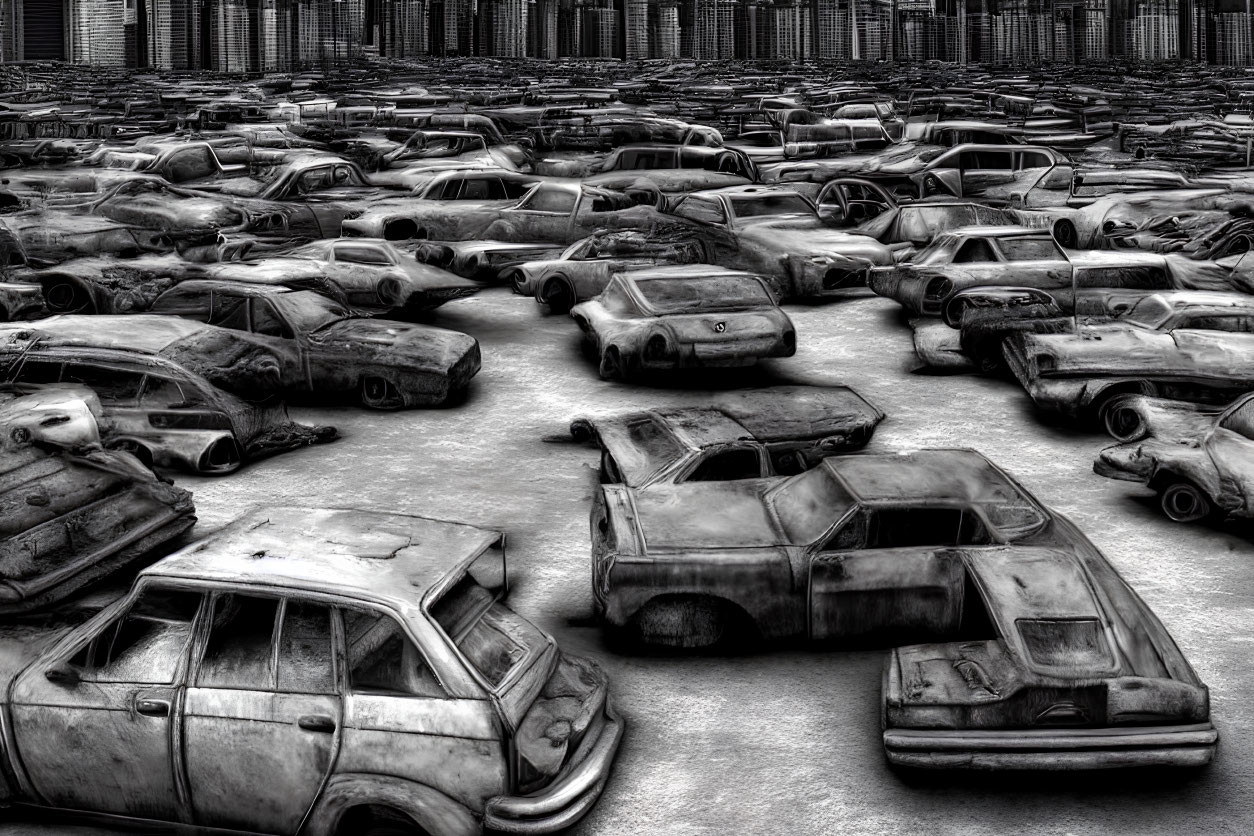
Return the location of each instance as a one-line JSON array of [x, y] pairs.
[[268, 35]]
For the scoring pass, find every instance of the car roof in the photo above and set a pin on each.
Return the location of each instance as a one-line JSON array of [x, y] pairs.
[[700, 427], [145, 333], [390, 559], [237, 288], [939, 474], [744, 191]]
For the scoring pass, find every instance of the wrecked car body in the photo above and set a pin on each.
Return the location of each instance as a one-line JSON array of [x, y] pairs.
[[1196, 458], [743, 435], [402, 690], [74, 512], [1046, 657], [166, 415], [683, 317]]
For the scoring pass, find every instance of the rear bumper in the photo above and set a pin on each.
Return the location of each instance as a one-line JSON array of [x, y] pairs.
[[1185, 746], [564, 802]]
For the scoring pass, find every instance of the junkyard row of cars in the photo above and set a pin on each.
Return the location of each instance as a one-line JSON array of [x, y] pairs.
[[180, 264]]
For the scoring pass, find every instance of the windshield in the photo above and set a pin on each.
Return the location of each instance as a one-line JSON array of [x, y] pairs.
[[494, 639], [776, 204], [704, 293], [1030, 249], [807, 505], [1150, 312]]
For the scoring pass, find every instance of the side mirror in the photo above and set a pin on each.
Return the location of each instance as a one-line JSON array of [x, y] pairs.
[[62, 674]]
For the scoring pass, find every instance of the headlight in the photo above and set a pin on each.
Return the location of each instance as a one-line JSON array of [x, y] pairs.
[[938, 288]]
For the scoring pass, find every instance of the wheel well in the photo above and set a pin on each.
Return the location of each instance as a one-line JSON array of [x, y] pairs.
[[400, 230], [1162, 477], [1105, 396], [360, 819], [737, 617]]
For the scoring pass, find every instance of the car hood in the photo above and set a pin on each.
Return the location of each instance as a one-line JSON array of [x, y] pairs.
[[705, 515]]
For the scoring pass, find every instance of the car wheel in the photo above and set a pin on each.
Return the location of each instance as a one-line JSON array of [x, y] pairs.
[[516, 280], [1184, 502], [558, 295], [380, 393], [1123, 422], [1066, 235], [614, 366]]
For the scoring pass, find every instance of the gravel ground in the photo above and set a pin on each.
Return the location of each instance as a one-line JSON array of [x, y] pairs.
[[783, 742]]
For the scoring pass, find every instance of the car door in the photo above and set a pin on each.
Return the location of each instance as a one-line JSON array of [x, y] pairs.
[[266, 322], [94, 725], [262, 715], [986, 170], [892, 570], [118, 390], [1231, 448], [399, 720], [546, 214], [711, 218], [1034, 261]]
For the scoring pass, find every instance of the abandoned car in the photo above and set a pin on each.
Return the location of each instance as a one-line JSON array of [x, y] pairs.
[[327, 672], [680, 317], [1046, 657]]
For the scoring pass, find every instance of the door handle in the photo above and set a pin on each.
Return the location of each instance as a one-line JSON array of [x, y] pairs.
[[317, 723], [152, 707]]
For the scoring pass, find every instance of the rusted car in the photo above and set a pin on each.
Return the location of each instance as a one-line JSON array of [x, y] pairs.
[[681, 317], [742, 435], [1038, 654], [1196, 458], [314, 671], [324, 351], [369, 275], [74, 512], [778, 234], [584, 268], [1080, 375], [674, 168], [166, 415], [551, 211]]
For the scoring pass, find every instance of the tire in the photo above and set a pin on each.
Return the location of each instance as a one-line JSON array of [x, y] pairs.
[[558, 295], [380, 393], [685, 621], [1184, 502], [1105, 401], [1122, 422], [1066, 235], [614, 366]]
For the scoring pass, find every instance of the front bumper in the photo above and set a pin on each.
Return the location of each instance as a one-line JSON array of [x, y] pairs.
[[1122, 463], [566, 800], [1052, 749]]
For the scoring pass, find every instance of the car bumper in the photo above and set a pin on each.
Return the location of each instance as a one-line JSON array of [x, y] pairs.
[[1115, 463], [565, 801], [1185, 746]]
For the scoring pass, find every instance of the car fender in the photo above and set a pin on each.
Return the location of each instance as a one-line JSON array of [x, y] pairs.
[[181, 449], [1180, 462], [431, 809]]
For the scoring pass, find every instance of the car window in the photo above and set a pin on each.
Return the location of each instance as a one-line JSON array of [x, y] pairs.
[[974, 250], [38, 371], [614, 299], [494, 639], [1034, 159], [229, 312], [357, 254], [808, 504], [161, 393], [1241, 419], [1058, 178], [1030, 249], [724, 465], [889, 528], [241, 635], [112, 385], [266, 321], [559, 201], [1065, 642], [382, 660], [703, 210], [986, 160], [145, 645], [305, 661], [192, 304], [1234, 322], [514, 188], [483, 188]]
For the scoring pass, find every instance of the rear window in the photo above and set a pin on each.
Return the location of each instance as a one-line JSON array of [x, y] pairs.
[[1065, 642], [494, 639], [704, 293], [361, 255], [652, 448], [751, 207]]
